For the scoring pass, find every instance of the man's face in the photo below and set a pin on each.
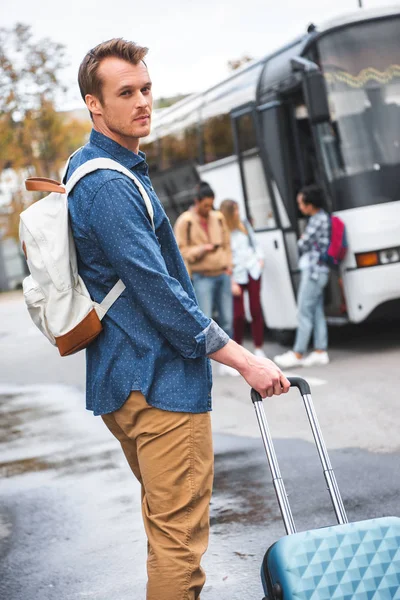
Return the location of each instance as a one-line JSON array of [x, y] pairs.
[[205, 206], [124, 114]]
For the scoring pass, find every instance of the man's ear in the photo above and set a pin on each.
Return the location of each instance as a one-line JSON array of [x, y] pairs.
[[93, 104]]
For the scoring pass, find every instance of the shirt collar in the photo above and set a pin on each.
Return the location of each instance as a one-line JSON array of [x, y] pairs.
[[126, 157]]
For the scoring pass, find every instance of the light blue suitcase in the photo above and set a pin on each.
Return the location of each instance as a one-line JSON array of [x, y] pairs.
[[349, 561]]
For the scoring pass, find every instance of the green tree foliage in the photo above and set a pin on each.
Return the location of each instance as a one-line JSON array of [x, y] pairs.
[[35, 138]]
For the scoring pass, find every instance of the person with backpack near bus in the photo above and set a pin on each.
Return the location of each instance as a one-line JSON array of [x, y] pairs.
[[313, 246], [204, 241], [248, 262], [148, 373]]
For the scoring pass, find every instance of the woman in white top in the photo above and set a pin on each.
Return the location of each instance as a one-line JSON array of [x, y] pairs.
[[247, 268]]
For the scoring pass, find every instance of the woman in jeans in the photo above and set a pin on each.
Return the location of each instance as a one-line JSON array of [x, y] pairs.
[[247, 268], [314, 277]]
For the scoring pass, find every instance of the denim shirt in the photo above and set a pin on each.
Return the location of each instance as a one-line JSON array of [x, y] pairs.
[[155, 339]]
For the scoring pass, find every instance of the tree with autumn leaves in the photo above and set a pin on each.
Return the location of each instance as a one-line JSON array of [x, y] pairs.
[[35, 138]]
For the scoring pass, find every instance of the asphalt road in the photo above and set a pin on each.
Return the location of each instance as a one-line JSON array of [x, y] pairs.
[[70, 523]]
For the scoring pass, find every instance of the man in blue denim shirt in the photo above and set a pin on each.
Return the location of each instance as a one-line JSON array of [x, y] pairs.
[[148, 374]]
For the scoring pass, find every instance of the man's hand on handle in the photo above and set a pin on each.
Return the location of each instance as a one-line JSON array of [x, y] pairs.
[[265, 377], [260, 373]]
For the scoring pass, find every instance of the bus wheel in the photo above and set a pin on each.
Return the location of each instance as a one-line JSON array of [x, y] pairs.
[[285, 337]]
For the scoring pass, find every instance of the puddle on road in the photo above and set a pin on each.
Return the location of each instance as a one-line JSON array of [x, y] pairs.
[[12, 421], [12, 418], [242, 492], [64, 466], [25, 465]]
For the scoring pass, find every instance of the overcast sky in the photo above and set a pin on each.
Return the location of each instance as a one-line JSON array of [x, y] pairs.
[[190, 42]]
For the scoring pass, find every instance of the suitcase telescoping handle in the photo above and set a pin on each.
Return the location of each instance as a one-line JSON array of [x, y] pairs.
[[322, 451]]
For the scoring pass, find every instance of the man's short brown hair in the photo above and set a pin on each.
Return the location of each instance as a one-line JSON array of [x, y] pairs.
[[88, 79]]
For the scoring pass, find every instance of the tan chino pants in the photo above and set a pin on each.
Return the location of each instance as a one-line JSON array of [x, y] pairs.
[[171, 455]]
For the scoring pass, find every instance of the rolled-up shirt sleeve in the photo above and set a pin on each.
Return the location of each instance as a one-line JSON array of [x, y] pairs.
[[122, 227], [215, 337]]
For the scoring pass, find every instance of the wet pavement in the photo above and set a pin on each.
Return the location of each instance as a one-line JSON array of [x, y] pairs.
[[70, 524]]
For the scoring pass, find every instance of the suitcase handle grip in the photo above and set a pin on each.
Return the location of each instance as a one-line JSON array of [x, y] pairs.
[[281, 494], [298, 382]]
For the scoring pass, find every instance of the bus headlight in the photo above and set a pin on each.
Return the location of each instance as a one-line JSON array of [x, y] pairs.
[[381, 257], [389, 256]]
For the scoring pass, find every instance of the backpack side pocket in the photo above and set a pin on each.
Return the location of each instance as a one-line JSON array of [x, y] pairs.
[[35, 301]]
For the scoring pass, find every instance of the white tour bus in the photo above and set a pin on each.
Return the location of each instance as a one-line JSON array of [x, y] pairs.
[[324, 109]]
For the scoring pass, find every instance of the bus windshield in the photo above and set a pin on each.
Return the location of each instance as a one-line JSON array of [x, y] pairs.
[[361, 145]]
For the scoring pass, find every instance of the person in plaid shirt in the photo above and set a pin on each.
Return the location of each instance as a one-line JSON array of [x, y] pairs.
[[314, 277]]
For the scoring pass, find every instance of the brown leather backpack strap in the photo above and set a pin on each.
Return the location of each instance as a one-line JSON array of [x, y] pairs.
[[42, 184]]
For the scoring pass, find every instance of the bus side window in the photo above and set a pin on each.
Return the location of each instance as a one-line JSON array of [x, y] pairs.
[[179, 147], [217, 138], [152, 153], [172, 148], [259, 205], [246, 133]]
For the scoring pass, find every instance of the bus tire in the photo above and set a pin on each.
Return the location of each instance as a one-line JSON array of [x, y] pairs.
[[285, 337]]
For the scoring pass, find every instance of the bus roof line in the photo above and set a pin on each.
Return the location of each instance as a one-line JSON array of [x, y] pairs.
[[260, 61], [306, 38], [362, 16]]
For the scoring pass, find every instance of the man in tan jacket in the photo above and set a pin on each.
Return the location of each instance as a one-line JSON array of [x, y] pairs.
[[204, 241]]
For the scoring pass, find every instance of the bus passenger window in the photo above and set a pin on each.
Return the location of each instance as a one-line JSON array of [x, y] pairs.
[[246, 133], [179, 148], [259, 200], [172, 151], [259, 205], [192, 143], [152, 153], [218, 138]]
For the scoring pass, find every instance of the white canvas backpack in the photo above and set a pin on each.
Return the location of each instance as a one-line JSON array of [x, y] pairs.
[[56, 296]]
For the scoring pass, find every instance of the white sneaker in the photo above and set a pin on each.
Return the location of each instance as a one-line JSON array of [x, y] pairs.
[[316, 358], [226, 370], [259, 352], [287, 360]]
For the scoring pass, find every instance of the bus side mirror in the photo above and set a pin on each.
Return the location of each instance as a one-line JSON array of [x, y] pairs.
[[316, 97]]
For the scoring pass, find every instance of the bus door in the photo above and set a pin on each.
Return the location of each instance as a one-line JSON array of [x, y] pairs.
[[304, 167], [264, 209]]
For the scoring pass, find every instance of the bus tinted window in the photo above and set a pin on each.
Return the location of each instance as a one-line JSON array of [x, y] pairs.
[[216, 108], [151, 151], [180, 147], [246, 133], [217, 138], [259, 202]]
